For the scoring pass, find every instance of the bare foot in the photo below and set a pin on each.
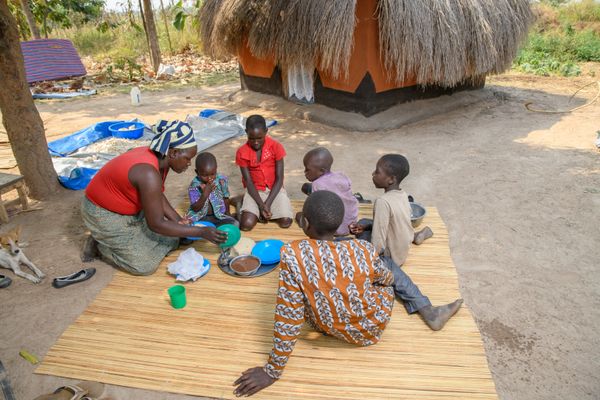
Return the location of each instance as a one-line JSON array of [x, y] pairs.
[[422, 235], [90, 249], [436, 317], [298, 219]]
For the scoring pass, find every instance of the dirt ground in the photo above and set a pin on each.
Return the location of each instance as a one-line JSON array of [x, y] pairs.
[[519, 192]]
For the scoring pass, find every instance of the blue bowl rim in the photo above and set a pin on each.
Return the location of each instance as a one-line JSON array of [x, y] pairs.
[[268, 261], [138, 125], [201, 223]]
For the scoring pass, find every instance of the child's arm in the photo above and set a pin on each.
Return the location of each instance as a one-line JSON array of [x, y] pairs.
[[198, 202], [277, 186], [289, 318], [381, 224], [227, 205], [224, 184], [251, 188], [307, 188]]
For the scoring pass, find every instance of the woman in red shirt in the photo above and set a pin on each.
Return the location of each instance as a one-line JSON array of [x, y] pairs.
[[131, 222]]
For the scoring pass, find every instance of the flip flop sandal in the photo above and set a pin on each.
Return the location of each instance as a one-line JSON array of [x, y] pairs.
[[5, 281], [361, 199], [78, 393], [77, 277]]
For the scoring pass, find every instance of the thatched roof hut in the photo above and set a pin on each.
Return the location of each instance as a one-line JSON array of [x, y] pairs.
[[426, 43]]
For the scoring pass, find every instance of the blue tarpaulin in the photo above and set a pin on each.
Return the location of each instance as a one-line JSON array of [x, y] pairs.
[[79, 177], [64, 146]]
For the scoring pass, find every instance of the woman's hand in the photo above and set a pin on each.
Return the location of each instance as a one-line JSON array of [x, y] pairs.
[[185, 220], [212, 234], [252, 381]]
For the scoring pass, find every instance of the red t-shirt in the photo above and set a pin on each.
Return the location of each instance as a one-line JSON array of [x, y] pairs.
[[262, 172], [111, 189]]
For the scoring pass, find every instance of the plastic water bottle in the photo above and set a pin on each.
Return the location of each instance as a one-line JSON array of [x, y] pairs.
[[598, 140], [136, 96]]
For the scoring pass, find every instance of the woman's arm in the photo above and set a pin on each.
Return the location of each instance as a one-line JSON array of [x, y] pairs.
[[149, 186], [169, 211]]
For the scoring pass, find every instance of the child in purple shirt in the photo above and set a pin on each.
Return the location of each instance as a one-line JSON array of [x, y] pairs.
[[317, 169]]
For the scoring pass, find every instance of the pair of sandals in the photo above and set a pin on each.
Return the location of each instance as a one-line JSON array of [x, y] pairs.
[[61, 281]]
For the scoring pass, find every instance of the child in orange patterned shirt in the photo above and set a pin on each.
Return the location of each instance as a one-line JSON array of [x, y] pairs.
[[342, 289]]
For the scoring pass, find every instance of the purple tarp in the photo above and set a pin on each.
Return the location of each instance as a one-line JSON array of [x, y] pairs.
[[51, 59]]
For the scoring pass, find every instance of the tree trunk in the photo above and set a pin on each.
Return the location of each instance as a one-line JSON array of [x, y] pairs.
[[152, 34], [21, 119], [164, 14], [35, 32]]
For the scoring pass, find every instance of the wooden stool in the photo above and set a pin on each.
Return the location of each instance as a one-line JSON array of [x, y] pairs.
[[10, 182]]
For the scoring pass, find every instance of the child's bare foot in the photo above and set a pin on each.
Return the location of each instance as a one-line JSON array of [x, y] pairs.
[[436, 317], [284, 222], [298, 219], [422, 235], [90, 249]]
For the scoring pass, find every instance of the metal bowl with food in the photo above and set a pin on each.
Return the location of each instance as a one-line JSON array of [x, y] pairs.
[[245, 265]]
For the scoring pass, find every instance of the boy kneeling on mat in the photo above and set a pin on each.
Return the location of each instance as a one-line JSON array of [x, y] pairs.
[[341, 288]]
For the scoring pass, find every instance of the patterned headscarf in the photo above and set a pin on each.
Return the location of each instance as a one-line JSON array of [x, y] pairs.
[[172, 135]]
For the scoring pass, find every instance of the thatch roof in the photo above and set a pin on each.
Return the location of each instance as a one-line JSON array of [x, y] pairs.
[[438, 41]]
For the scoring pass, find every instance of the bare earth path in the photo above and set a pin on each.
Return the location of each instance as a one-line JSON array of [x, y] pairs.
[[519, 192]]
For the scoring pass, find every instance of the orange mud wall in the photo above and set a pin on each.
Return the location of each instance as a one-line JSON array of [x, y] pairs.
[[365, 57]]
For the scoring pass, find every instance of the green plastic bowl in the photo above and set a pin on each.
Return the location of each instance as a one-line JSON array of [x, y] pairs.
[[233, 235]]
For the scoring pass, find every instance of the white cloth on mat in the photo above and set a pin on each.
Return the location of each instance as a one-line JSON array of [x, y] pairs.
[[189, 265]]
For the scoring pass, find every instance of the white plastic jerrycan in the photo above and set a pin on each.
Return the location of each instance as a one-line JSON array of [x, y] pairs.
[[136, 96]]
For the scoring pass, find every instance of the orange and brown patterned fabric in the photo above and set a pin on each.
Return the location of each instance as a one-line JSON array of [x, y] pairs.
[[339, 288]]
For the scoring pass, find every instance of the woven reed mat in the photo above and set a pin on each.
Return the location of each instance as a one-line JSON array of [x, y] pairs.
[[130, 336]]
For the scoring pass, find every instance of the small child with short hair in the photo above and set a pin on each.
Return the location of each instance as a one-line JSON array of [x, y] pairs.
[[317, 169], [261, 163], [390, 230], [340, 288], [209, 193]]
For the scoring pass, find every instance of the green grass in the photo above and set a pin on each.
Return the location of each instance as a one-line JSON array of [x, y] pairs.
[[563, 36], [208, 79]]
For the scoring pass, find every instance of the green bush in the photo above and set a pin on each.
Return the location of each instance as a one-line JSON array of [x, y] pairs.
[[564, 35]]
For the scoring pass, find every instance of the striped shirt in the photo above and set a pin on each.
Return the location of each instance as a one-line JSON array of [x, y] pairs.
[[339, 288]]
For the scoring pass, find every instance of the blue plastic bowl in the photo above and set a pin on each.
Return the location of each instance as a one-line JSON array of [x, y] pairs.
[[136, 133], [201, 223], [268, 251]]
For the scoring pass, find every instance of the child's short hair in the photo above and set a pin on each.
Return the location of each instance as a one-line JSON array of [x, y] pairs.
[[256, 122], [324, 210], [395, 165], [205, 159], [323, 155]]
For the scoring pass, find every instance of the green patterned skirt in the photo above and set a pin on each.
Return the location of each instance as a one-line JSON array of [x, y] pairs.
[[126, 240]]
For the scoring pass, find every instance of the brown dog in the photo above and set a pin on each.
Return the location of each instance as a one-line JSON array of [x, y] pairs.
[[11, 256]]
